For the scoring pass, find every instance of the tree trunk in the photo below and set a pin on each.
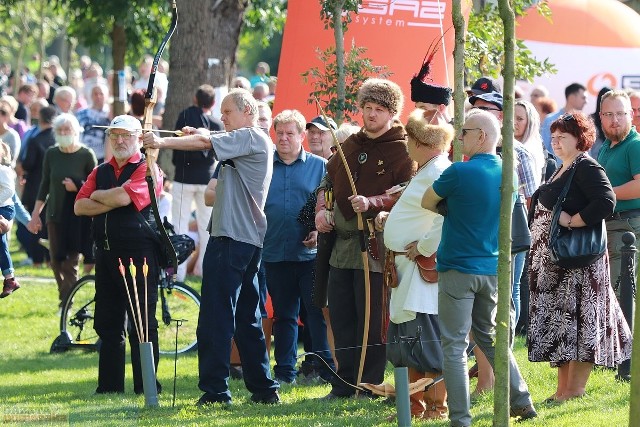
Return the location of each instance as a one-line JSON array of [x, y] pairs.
[[119, 43], [501, 367], [458, 82], [202, 50], [338, 34]]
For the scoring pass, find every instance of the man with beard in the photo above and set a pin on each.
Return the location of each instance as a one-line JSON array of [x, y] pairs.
[[378, 159], [620, 158], [116, 195]]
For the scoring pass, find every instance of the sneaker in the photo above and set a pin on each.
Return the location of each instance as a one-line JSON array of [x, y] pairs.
[[269, 399], [525, 413], [10, 285], [285, 380]]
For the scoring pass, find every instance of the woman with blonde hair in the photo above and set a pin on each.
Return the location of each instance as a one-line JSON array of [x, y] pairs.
[[526, 129]]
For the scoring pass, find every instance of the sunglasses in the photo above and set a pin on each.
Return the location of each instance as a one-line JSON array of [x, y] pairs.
[[465, 131], [567, 117]]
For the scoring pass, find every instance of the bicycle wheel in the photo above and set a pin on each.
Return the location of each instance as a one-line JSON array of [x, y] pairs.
[[178, 303], [76, 318]]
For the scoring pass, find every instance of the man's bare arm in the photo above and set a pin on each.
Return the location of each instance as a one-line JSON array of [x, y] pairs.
[[114, 197], [102, 201], [629, 190], [430, 200], [88, 207]]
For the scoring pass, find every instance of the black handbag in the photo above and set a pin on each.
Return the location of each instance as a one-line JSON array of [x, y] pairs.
[[520, 233], [576, 247]]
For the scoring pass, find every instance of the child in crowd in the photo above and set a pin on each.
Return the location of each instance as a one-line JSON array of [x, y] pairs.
[[7, 211]]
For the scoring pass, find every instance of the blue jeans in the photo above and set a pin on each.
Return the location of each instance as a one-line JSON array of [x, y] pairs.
[[518, 267], [230, 305], [261, 277], [289, 282], [8, 212]]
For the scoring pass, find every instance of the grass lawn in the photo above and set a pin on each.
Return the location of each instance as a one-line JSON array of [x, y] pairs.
[[38, 388]]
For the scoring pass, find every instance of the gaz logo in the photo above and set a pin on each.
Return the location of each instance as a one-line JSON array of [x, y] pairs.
[[401, 13]]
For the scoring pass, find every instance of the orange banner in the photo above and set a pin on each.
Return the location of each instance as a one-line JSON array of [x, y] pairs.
[[396, 33]]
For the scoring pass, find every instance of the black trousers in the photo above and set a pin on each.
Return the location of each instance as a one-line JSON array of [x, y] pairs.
[[346, 308], [113, 314]]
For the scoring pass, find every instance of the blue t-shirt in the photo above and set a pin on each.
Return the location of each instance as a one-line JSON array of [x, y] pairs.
[[291, 186], [469, 241]]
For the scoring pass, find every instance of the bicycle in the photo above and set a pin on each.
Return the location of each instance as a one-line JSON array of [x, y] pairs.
[[178, 303]]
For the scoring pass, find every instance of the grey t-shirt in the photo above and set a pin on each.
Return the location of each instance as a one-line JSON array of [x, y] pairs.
[[243, 182], [12, 139]]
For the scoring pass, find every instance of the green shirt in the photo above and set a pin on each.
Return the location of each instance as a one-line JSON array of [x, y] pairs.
[[56, 167], [621, 162]]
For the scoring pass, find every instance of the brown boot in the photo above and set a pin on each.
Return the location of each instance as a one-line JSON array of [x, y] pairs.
[[416, 399], [435, 399]]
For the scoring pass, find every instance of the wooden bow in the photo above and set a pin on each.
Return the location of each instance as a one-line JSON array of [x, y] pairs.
[[363, 251], [150, 99]]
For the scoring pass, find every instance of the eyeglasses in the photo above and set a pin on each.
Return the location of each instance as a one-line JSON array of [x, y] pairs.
[[483, 108], [618, 115], [567, 117], [126, 135], [465, 131]]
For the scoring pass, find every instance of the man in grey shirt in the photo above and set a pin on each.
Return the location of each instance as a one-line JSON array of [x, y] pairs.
[[230, 295]]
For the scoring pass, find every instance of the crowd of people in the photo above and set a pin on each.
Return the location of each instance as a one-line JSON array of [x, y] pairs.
[[279, 224]]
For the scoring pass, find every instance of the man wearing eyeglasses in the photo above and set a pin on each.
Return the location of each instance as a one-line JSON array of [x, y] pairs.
[[620, 157], [116, 195]]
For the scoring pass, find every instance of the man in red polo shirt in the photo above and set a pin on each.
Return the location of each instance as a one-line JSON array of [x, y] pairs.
[[116, 195]]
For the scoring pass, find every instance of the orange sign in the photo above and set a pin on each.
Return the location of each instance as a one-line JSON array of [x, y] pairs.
[[396, 33]]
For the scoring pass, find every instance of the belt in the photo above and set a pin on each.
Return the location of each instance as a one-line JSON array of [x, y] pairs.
[[631, 213], [346, 235]]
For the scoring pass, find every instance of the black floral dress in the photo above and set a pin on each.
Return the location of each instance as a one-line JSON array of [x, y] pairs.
[[573, 313]]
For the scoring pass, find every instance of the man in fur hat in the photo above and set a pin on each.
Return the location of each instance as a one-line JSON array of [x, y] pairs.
[[411, 231], [378, 159], [413, 308]]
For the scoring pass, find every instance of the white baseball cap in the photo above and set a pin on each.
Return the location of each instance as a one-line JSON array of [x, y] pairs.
[[126, 122]]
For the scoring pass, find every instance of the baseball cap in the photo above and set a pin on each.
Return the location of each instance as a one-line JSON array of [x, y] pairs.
[[493, 97], [484, 85], [126, 122], [321, 124]]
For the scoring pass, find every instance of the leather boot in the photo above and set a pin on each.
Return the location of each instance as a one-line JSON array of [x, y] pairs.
[[416, 399], [435, 399]]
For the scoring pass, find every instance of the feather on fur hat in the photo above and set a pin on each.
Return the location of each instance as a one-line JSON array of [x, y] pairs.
[[383, 92], [423, 89]]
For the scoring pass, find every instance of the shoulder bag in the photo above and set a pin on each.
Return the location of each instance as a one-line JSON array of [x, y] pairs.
[[575, 247]]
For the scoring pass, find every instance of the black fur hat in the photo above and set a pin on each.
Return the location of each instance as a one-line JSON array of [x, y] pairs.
[[422, 87]]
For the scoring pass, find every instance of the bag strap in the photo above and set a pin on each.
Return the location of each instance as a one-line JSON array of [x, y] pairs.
[[557, 209]]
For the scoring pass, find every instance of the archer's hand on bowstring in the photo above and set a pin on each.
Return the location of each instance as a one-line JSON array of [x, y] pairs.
[[151, 140]]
